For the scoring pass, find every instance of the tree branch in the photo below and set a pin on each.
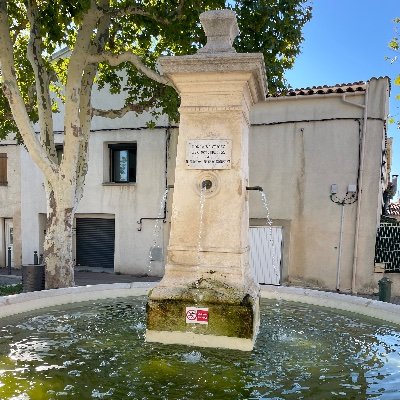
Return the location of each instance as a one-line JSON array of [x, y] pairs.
[[134, 10], [116, 59], [42, 79], [17, 105], [180, 8], [138, 108], [85, 102], [74, 136]]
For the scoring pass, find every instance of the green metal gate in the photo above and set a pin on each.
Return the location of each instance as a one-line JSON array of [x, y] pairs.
[[387, 248]]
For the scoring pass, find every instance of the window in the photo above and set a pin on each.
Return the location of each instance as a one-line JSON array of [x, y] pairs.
[[59, 152], [3, 169], [123, 162]]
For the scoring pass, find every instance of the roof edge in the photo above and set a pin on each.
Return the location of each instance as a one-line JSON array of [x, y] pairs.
[[340, 88]]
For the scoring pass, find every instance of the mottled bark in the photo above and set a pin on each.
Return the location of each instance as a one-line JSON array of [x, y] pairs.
[[42, 79], [112, 114], [86, 102], [64, 196], [14, 97], [117, 59], [64, 183], [58, 241]]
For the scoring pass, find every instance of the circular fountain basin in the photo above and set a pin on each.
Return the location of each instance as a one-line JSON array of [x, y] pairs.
[[95, 348]]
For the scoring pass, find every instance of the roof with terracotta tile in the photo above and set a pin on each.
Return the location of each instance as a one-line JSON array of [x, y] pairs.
[[353, 87], [394, 208]]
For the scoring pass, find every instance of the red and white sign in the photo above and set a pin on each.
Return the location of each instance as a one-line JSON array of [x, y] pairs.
[[196, 315]]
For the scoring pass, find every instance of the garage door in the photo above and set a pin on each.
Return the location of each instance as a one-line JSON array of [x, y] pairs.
[[265, 254], [95, 238]]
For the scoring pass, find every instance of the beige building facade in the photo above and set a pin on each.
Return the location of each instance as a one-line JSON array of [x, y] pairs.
[[303, 147], [10, 207], [318, 153]]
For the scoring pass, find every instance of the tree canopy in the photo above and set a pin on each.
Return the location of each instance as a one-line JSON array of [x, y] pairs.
[[147, 29], [52, 50], [394, 45]]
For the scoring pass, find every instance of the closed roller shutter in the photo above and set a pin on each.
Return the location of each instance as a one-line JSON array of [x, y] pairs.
[[95, 242]]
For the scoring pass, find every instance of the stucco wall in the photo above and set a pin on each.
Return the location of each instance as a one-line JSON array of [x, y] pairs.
[[10, 201], [298, 148], [126, 202]]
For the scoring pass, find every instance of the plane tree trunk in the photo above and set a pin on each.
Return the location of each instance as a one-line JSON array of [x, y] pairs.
[[58, 241], [64, 181]]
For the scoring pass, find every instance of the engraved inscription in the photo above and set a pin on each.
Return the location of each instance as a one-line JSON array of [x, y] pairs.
[[208, 154]]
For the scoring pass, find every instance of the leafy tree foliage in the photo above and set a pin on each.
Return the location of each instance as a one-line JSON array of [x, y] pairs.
[[394, 45], [273, 28], [150, 29], [53, 50]]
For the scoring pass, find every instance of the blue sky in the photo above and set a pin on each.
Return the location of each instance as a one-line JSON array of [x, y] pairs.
[[347, 41]]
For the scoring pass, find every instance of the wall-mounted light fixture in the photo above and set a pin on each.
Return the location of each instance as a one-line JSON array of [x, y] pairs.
[[352, 189]]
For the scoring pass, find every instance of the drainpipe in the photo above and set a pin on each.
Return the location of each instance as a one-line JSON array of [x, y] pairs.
[[360, 185], [339, 261]]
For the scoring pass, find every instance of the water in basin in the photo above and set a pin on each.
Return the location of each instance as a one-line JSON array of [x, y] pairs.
[[97, 350]]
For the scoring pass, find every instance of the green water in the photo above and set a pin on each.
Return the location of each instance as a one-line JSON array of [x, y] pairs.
[[97, 351]]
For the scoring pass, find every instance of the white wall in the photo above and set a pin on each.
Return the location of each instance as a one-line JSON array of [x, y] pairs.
[[298, 148], [9, 201], [126, 202]]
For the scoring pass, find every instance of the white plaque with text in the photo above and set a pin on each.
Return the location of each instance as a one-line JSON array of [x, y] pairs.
[[208, 154]]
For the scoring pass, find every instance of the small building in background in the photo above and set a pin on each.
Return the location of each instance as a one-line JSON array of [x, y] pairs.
[[320, 154], [393, 210]]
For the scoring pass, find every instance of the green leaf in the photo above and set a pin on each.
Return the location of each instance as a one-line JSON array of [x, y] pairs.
[[394, 44], [271, 27]]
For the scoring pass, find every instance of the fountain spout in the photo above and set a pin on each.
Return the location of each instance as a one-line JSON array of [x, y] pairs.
[[255, 188], [170, 186]]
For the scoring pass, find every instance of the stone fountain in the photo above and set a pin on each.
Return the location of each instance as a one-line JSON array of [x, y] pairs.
[[208, 296]]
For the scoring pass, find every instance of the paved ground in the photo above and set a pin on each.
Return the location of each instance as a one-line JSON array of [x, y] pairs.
[[98, 276], [82, 278]]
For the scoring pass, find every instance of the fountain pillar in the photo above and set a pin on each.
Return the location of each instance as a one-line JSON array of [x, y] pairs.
[[208, 296]]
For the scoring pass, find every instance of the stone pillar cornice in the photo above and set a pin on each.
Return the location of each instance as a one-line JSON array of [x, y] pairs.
[[201, 66]]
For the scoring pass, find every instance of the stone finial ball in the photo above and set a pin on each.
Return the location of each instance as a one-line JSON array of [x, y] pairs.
[[221, 29]]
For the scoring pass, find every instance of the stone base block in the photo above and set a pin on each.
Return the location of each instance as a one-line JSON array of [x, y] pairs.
[[194, 339], [228, 325]]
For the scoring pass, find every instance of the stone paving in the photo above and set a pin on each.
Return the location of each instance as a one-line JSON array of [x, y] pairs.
[[85, 277], [82, 277]]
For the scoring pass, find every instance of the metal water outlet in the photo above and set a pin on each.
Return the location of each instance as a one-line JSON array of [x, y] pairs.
[[206, 184]]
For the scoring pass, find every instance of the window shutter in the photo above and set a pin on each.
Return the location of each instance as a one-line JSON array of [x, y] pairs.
[[3, 169]]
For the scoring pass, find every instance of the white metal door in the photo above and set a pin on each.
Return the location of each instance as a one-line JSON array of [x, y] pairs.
[[9, 234], [266, 253]]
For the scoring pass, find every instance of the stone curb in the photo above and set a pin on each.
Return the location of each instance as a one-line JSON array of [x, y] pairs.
[[19, 303], [372, 308], [24, 302]]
